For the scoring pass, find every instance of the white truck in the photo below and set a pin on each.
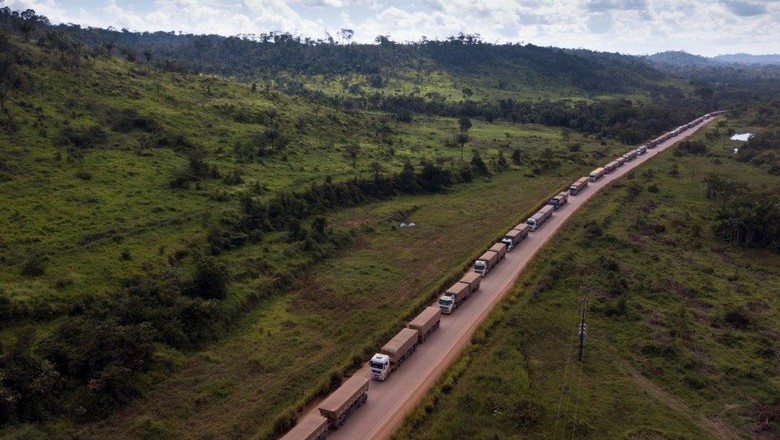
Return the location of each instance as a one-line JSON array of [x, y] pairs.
[[394, 353], [486, 262], [513, 238], [459, 292], [540, 217]]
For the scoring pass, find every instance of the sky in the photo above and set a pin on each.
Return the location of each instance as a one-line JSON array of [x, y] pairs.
[[703, 27]]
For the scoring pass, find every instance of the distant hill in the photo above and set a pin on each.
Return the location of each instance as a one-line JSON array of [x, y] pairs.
[[685, 59], [680, 58], [744, 58]]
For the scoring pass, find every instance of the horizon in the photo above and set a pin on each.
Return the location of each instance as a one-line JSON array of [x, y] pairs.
[[630, 27]]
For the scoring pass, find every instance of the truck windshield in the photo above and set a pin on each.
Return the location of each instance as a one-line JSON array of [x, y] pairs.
[[376, 365], [479, 264], [445, 302]]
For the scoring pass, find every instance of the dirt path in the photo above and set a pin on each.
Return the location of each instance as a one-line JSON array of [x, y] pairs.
[[714, 427], [390, 401]]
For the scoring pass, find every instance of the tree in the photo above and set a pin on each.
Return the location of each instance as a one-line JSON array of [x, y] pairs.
[[517, 157], [346, 35], [478, 165], [7, 68], [211, 279], [467, 94], [464, 124]]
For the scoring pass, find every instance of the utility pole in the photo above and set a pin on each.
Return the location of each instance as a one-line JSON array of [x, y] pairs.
[[583, 327]]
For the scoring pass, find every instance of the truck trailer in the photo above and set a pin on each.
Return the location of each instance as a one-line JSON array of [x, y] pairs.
[[513, 238], [500, 249], [486, 262], [578, 186], [561, 199], [472, 279], [394, 353], [540, 217], [311, 427], [350, 396], [452, 297], [596, 174], [426, 322]]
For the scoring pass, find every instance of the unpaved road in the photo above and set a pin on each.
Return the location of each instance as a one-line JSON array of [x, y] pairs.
[[390, 401]]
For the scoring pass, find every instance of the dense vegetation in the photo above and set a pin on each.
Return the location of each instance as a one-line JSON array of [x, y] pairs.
[[168, 233], [691, 353]]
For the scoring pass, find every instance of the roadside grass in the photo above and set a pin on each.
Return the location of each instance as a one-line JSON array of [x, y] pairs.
[[662, 359], [286, 350]]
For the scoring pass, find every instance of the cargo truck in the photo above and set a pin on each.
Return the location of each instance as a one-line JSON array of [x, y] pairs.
[[513, 238], [641, 150], [455, 295], [578, 186], [631, 155], [350, 396], [610, 167], [500, 249], [311, 427], [472, 279], [540, 217], [523, 228], [561, 199], [426, 322], [486, 262], [394, 353], [596, 174]]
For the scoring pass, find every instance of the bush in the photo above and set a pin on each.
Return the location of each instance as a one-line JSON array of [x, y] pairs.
[[35, 265], [210, 280]]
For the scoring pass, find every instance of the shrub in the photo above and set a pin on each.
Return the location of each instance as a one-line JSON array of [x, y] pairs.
[[211, 279], [35, 265]]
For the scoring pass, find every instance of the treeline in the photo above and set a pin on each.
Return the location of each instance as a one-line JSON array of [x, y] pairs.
[[269, 54], [744, 216]]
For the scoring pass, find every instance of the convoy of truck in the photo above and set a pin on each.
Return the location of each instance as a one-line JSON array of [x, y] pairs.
[[353, 393]]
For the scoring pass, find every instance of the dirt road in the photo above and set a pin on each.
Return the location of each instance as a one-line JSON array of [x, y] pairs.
[[390, 401]]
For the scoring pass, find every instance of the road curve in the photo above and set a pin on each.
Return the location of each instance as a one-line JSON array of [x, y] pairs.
[[390, 401]]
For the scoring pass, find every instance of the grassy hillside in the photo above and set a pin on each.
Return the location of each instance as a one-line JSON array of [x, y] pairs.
[[126, 190], [681, 326]]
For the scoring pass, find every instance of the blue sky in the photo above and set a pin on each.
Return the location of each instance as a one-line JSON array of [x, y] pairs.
[[706, 27]]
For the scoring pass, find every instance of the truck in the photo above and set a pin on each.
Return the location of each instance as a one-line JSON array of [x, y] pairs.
[[596, 174], [523, 228], [394, 353], [472, 279], [578, 186], [426, 322], [500, 249], [561, 199], [513, 238], [486, 262], [641, 150], [311, 427], [452, 297], [612, 166], [540, 217], [350, 396], [631, 155]]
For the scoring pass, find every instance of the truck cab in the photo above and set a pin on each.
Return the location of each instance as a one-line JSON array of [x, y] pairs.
[[480, 266], [380, 366], [447, 304]]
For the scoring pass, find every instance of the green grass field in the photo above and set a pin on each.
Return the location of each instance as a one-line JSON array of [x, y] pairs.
[[106, 213], [664, 356]]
